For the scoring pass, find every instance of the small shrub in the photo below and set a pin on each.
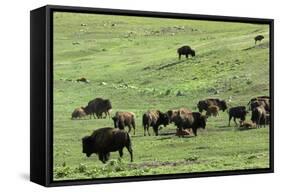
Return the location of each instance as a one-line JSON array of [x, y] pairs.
[[62, 171], [82, 168]]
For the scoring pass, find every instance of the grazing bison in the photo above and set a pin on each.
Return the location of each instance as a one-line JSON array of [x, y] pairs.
[[185, 50], [259, 38], [212, 110], [78, 113], [98, 106], [204, 104], [174, 112], [247, 124], [106, 140], [83, 79], [122, 119], [239, 112], [259, 116], [154, 119], [192, 120]]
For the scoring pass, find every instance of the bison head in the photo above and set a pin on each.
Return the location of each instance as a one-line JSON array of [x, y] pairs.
[[115, 122], [202, 121], [192, 53], [171, 114], [107, 104], [164, 118], [86, 109], [243, 115], [87, 144], [223, 105]]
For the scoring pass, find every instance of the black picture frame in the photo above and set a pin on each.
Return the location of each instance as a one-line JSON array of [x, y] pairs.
[[41, 96]]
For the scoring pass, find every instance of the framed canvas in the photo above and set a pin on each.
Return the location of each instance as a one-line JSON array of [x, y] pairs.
[[124, 95]]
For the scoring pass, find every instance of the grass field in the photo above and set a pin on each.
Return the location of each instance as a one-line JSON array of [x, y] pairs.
[[133, 62]]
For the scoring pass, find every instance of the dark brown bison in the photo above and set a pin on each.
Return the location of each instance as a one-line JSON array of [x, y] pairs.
[[98, 106], [83, 79], [174, 112], [238, 112], [192, 120], [78, 113], [185, 50], [204, 104], [259, 116], [259, 38], [154, 119], [106, 140], [212, 110], [122, 119]]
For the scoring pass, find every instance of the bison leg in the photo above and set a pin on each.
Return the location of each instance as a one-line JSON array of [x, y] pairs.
[[146, 129], [106, 156], [186, 56], [134, 127], [179, 56], [121, 152], [129, 148], [235, 121], [194, 130], [102, 157], [230, 117], [155, 129], [129, 128]]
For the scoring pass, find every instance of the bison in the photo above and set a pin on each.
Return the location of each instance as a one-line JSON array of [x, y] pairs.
[[154, 118], [247, 124], [98, 106], [106, 140], [173, 112], [122, 119], [185, 50], [192, 120], [183, 132], [212, 110], [239, 112], [259, 38], [259, 101], [83, 80], [259, 116], [78, 113], [204, 104]]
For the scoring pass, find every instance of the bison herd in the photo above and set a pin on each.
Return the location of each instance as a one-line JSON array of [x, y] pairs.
[[109, 139]]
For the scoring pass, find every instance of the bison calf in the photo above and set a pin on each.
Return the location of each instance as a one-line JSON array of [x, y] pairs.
[[78, 113], [122, 119], [106, 140], [212, 110], [247, 124], [183, 132]]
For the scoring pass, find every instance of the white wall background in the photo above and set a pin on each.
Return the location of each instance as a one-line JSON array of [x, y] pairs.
[[14, 94]]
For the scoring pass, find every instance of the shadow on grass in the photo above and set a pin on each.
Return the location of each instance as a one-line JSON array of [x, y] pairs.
[[244, 129], [171, 64]]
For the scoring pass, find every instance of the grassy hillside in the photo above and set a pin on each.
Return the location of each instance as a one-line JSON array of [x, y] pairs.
[[133, 62]]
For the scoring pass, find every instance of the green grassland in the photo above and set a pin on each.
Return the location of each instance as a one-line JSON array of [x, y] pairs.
[[133, 62]]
